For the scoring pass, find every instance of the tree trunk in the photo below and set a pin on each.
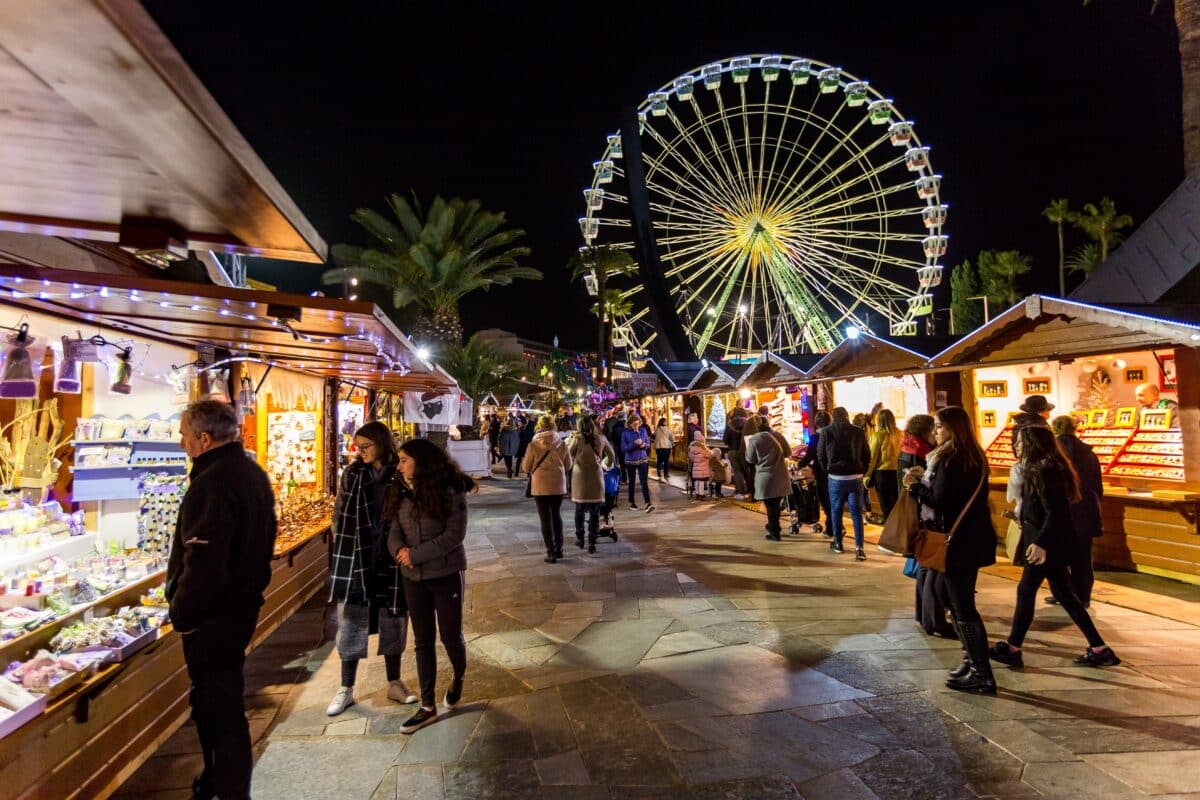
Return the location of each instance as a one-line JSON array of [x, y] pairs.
[[1062, 266], [1187, 21], [601, 284]]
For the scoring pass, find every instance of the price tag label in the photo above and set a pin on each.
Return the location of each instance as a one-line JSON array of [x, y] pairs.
[[79, 350]]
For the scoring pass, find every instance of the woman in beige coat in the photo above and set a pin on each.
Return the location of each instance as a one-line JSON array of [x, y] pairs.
[[547, 463], [588, 450]]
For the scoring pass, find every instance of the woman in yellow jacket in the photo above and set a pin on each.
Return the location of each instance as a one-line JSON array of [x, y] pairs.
[[885, 452]]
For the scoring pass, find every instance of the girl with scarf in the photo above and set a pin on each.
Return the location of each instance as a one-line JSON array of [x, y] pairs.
[[365, 580]]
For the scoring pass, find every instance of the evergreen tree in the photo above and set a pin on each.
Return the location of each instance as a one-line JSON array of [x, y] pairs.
[[964, 284], [1000, 271]]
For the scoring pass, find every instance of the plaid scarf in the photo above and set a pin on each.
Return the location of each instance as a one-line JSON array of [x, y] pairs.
[[360, 568]]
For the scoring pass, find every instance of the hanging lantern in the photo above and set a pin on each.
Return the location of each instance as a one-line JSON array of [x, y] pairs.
[[19, 379]]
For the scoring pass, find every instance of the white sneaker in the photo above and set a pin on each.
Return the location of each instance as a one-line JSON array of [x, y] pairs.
[[341, 701], [740, 497], [399, 691]]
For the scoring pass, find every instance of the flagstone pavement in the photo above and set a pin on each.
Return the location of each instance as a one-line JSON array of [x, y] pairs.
[[693, 659]]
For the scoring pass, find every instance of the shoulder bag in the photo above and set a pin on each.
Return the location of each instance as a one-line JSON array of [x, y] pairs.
[[929, 547], [529, 478]]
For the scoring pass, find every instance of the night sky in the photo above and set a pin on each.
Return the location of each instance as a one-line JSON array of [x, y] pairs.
[[510, 103]]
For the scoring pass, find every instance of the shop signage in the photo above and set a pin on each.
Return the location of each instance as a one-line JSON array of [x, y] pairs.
[[636, 385]]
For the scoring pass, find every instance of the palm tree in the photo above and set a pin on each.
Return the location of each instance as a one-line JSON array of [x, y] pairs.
[[1085, 259], [614, 306], [479, 368], [603, 262], [432, 260], [1102, 224], [1059, 212]]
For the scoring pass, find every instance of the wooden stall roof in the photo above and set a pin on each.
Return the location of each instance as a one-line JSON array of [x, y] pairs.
[[679, 376], [721, 376], [317, 335], [866, 355], [1048, 328], [779, 369], [101, 122]]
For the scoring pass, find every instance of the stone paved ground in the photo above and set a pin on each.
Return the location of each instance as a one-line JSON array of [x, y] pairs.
[[693, 659]]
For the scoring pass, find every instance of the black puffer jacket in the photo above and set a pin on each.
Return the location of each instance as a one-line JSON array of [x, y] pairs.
[[843, 450], [951, 485], [224, 539], [436, 547], [1085, 514]]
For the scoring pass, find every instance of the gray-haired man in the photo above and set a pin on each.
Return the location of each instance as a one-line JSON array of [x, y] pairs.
[[219, 566]]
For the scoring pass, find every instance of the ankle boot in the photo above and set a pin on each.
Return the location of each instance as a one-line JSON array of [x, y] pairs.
[[978, 679], [963, 668]]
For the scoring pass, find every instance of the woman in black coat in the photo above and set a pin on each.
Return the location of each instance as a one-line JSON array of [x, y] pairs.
[[1085, 513], [820, 420], [954, 486], [1047, 545]]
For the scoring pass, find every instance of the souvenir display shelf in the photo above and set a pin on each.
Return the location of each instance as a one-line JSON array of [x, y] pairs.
[[999, 452], [1106, 443], [1153, 455]]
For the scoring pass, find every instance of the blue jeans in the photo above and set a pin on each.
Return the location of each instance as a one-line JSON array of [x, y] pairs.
[[842, 492]]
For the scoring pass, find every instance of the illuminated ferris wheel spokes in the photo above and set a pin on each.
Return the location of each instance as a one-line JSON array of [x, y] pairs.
[[788, 200]]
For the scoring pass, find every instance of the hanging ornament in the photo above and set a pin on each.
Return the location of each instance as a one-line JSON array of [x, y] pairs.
[[20, 380], [122, 372]]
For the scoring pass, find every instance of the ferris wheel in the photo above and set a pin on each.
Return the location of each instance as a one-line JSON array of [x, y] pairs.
[[789, 201]]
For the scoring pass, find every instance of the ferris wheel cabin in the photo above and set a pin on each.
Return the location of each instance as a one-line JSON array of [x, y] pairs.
[[880, 112], [856, 93], [928, 186], [828, 79], [930, 277], [916, 158], [683, 87], [711, 75], [603, 170], [800, 70], [901, 133], [935, 246], [934, 216], [741, 69], [771, 66]]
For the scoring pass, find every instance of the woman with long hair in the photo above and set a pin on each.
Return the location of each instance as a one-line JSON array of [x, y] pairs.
[[547, 463], [930, 591], [885, 454], [635, 443], [427, 521], [1047, 546], [664, 440], [588, 450], [767, 451], [954, 487], [363, 578]]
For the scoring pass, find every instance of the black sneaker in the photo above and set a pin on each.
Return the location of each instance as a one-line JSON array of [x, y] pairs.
[[454, 693], [836, 548], [633, 506], [419, 720], [859, 555], [773, 537], [649, 508], [1104, 658], [1050, 600], [1004, 654]]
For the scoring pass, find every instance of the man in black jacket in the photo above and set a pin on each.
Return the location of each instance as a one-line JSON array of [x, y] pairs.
[[1085, 513], [219, 566], [844, 455]]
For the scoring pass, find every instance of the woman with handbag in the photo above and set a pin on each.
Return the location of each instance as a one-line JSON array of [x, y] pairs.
[[547, 463], [364, 579], [1046, 547], [957, 537], [588, 450], [635, 444], [767, 452]]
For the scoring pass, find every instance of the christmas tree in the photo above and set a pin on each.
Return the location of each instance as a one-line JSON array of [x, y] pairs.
[[716, 418], [1095, 390]]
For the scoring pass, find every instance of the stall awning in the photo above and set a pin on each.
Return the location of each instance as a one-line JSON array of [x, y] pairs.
[[867, 355], [1048, 328], [332, 338], [108, 135], [721, 376]]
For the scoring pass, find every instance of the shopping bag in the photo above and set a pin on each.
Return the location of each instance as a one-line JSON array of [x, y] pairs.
[[911, 567], [1012, 542], [900, 528]]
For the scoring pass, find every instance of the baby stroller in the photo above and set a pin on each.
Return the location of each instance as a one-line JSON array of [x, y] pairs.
[[803, 503], [612, 488]]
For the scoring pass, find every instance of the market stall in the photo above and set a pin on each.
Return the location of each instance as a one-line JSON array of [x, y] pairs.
[[1092, 363], [92, 462]]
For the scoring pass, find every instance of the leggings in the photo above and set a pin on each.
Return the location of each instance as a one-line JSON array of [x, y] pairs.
[[632, 472], [549, 508], [441, 598], [592, 512], [1060, 587], [886, 486], [774, 506], [663, 461]]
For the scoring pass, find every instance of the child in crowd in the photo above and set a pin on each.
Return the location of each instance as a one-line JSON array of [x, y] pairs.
[[698, 456], [719, 471], [612, 487]]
